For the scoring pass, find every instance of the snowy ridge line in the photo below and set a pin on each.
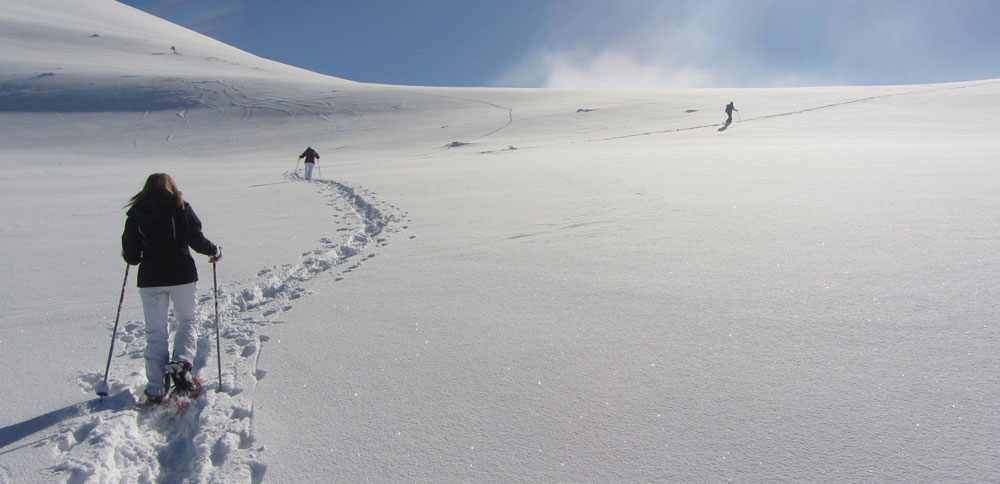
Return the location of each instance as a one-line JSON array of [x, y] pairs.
[[214, 440], [790, 113], [758, 118], [870, 98]]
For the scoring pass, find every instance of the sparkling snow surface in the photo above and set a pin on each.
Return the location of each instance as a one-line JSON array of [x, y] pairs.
[[496, 285]]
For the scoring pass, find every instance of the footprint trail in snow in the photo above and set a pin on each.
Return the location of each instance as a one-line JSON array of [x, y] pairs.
[[214, 440]]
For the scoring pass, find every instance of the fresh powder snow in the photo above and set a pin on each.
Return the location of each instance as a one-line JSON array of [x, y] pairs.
[[495, 285]]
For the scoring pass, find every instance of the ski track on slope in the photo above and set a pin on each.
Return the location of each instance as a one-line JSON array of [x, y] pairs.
[[510, 111], [214, 441], [758, 118]]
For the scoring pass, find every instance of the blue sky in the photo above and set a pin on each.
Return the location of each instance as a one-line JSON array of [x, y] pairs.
[[610, 43]]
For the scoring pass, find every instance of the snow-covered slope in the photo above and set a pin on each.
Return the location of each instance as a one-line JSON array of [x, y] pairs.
[[495, 285]]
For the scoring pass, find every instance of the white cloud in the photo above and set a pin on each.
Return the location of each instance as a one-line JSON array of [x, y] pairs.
[[655, 45], [763, 43], [608, 68]]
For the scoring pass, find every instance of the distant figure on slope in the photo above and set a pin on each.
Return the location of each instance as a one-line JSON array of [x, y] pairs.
[[159, 228], [729, 112], [311, 156]]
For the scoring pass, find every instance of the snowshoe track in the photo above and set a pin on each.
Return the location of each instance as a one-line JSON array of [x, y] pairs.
[[214, 440]]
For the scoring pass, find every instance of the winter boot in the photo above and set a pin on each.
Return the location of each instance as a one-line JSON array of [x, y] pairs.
[[151, 399]]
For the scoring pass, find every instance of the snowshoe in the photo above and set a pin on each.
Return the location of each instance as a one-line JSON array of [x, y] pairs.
[[180, 375]]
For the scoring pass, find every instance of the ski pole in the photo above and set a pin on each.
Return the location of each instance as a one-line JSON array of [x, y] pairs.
[[218, 350], [320, 168], [297, 166], [103, 391]]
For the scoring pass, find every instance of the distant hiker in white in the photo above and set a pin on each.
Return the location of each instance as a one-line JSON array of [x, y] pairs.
[[311, 156], [159, 229], [729, 112]]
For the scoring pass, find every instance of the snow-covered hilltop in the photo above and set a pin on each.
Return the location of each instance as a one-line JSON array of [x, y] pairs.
[[495, 285]]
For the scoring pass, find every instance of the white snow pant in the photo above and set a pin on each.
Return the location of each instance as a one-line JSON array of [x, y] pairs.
[[155, 302], [309, 170]]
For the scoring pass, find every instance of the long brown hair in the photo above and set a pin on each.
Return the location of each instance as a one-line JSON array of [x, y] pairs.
[[159, 186]]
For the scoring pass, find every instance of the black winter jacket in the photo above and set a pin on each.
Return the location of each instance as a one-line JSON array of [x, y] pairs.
[[310, 155], [157, 236]]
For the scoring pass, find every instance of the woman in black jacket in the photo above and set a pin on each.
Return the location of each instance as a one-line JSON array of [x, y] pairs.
[[311, 156], [159, 229]]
